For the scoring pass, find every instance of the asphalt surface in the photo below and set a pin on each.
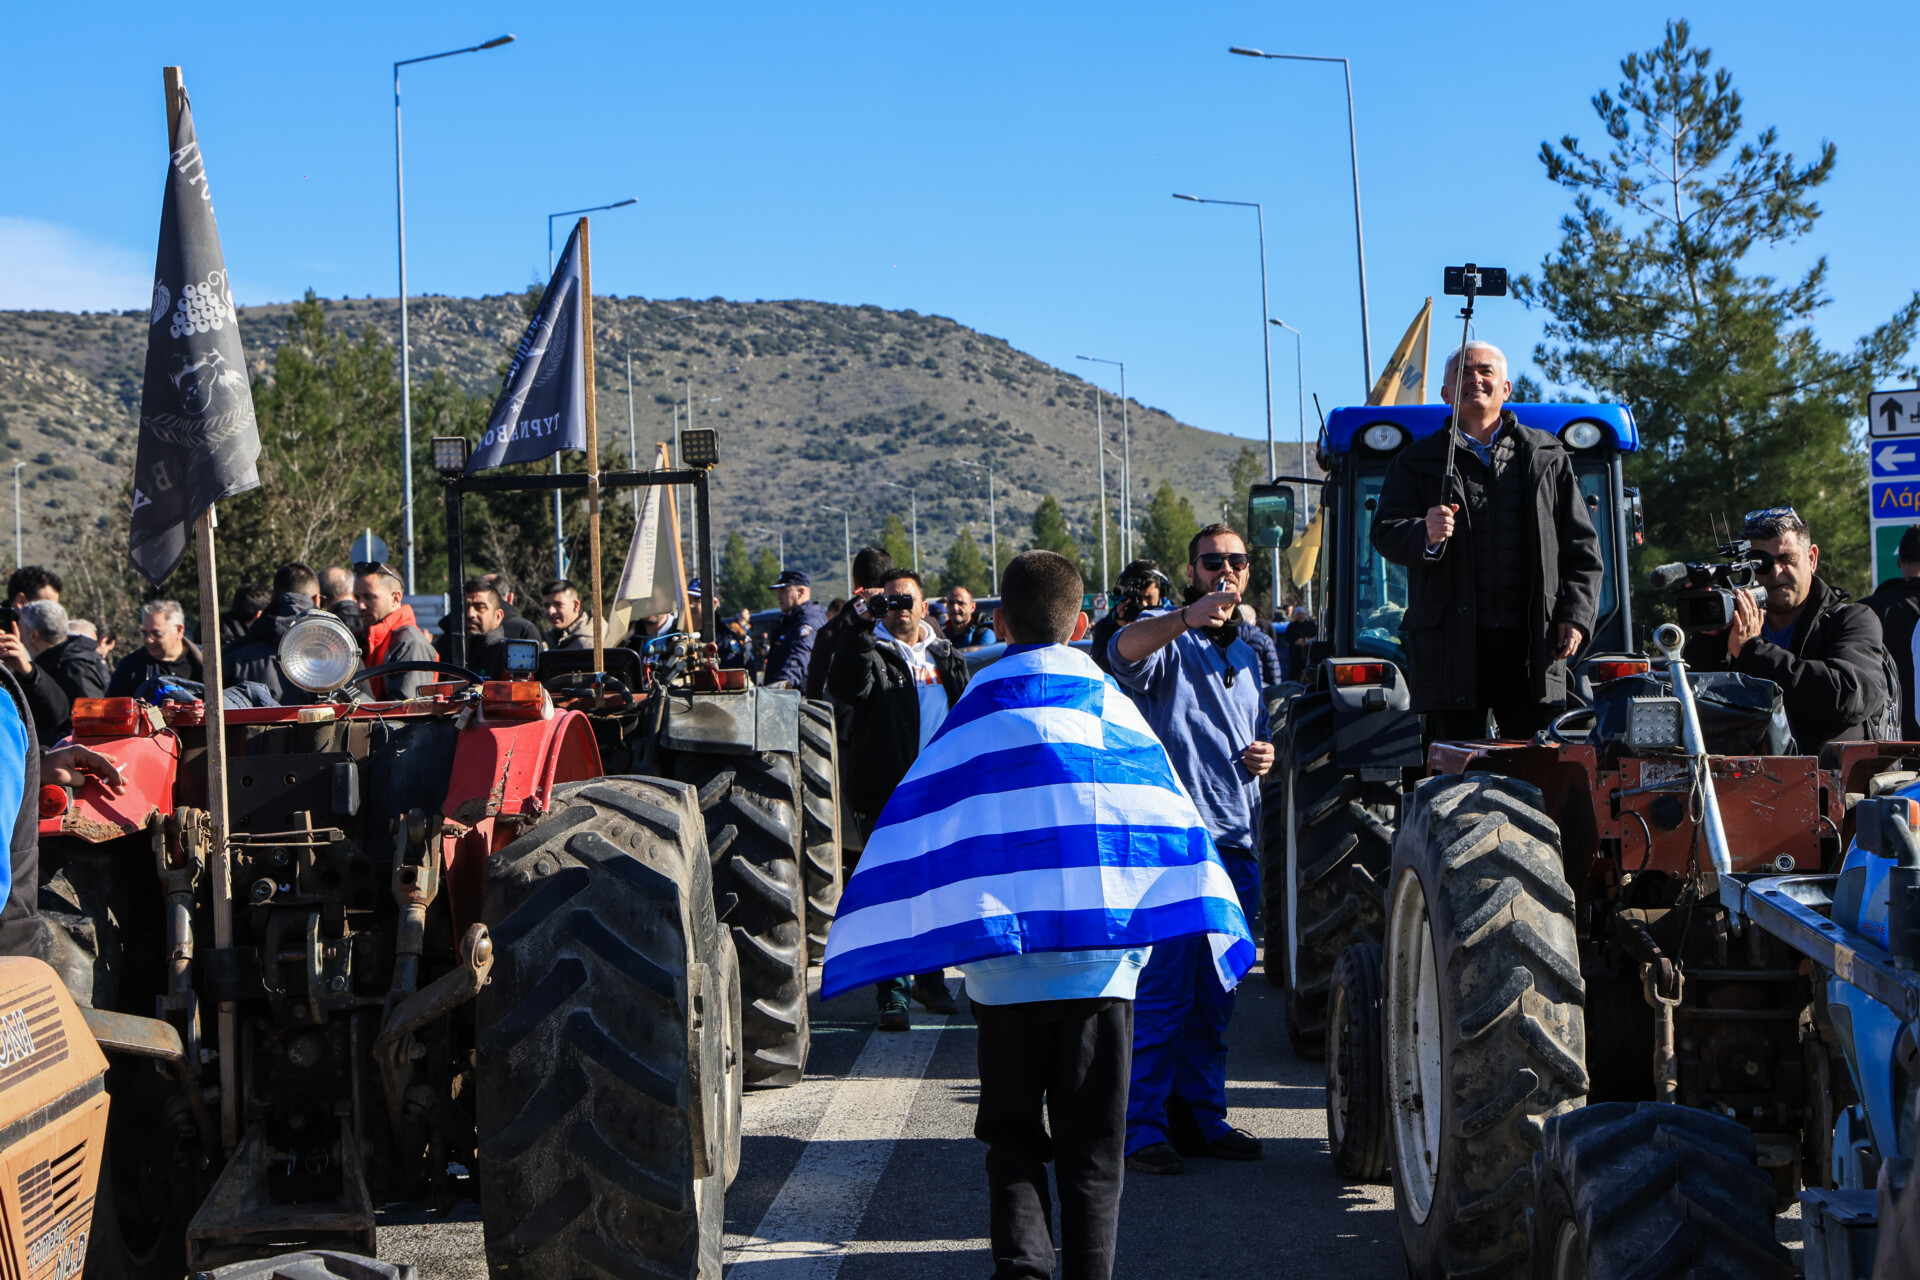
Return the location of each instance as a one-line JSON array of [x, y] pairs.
[[868, 1169]]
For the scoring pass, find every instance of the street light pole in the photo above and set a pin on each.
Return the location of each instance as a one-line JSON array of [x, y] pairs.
[[1126, 461], [1306, 496], [19, 551], [568, 213], [846, 537], [406, 370], [1266, 348], [993, 527], [633, 458], [1100, 460], [913, 496], [1353, 153]]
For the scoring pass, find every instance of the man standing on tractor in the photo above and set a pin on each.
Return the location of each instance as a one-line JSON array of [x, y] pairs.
[[1823, 651], [393, 634], [1503, 565]]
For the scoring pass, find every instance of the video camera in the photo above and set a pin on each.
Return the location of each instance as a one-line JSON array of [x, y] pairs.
[[1132, 590], [1705, 591]]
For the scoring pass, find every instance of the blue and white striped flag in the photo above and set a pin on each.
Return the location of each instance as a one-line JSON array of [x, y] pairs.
[[1043, 816]]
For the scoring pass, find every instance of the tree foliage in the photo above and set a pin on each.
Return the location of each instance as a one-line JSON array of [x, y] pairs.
[[1165, 530], [1050, 530], [1245, 471], [965, 566], [743, 585], [1654, 304], [895, 541]]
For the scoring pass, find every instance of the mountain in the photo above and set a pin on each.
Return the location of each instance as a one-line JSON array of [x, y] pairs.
[[815, 404]]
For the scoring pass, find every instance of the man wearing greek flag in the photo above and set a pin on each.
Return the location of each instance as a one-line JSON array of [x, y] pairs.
[[1043, 842]]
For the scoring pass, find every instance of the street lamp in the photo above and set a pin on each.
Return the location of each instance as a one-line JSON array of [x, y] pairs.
[[568, 213], [846, 536], [913, 496], [993, 527], [406, 373], [19, 551], [1266, 347], [1300, 388], [1100, 461], [1353, 152], [1126, 460], [633, 457]]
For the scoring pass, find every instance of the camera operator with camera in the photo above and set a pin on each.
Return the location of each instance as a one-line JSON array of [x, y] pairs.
[[900, 676], [1824, 651], [1141, 591]]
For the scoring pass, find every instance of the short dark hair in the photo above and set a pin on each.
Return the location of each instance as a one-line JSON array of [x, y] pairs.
[[502, 585], [1778, 524], [250, 600], [558, 585], [28, 579], [1214, 530], [1040, 594], [901, 571], [872, 567], [294, 578], [481, 587], [1909, 552]]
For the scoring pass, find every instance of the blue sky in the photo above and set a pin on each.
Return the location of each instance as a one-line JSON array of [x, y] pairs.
[[1007, 165]]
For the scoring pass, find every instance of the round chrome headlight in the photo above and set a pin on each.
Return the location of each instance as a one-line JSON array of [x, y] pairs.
[[319, 653], [1581, 435], [1384, 436]]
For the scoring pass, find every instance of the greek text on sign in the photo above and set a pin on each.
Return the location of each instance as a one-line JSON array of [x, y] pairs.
[[1894, 413], [1897, 500]]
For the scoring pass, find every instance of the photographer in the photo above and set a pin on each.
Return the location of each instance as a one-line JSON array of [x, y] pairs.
[[900, 676], [1198, 684], [25, 650], [1140, 592], [871, 565], [1823, 651]]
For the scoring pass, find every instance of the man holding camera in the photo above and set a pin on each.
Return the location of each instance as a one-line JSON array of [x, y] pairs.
[[1824, 651], [900, 676], [1142, 592], [1198, 684], [1503, 565]]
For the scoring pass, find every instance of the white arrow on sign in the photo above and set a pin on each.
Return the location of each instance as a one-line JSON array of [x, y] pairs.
[[1894, 456]]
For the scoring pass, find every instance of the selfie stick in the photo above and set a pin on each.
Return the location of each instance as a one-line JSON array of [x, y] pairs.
[[1470, 278]]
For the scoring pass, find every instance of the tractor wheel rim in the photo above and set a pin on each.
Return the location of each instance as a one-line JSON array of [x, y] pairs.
[[1567, 1263], [1336, 1064], [1293, 893], [1413, 1044]]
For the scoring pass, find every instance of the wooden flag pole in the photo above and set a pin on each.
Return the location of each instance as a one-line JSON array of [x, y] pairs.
[[593, 460], [216, 730]]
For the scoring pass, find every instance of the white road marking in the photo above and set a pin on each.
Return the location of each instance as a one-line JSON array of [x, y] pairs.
[[807, 1229]]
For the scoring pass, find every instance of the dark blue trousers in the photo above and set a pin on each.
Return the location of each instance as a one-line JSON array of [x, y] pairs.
[[1180, 1014]]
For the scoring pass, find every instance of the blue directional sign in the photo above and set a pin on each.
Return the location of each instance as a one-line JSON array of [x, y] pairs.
[[1895, 458], [1896, 500]]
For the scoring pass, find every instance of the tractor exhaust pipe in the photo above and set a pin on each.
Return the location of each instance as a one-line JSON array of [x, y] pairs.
[[1669, 639]]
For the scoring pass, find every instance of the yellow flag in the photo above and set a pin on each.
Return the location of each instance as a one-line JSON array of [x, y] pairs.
[[1404, 380], [1302, 555]]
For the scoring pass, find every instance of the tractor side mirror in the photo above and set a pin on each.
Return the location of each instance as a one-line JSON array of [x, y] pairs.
[[1269, 516]]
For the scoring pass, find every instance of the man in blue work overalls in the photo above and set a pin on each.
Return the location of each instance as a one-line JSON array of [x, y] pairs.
[[1198, 683]]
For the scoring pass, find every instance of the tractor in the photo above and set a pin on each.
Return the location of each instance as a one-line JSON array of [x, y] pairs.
[[1580, 997], [519, 939]]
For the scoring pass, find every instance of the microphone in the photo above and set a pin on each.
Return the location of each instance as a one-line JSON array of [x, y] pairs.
[[1668, 576]]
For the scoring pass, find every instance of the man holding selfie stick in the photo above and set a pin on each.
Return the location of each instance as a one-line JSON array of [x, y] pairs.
[[1198, 685], [1503, 564]]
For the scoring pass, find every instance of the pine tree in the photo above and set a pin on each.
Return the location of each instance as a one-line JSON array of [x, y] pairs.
[[741, 586], [1245, 471], [895, 541], [1167, 527], [1653, 304], [1050, 530], [966, 567], [766, 572]]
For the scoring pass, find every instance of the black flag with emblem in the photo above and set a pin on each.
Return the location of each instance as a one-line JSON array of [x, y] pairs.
[[542, 407], [198, 436]]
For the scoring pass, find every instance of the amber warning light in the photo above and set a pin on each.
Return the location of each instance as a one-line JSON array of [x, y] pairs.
[[105, 717]]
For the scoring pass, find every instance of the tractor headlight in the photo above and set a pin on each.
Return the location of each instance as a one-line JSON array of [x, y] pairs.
[[319, 653], [1581, 435], [1384, 437], [1653, 725]]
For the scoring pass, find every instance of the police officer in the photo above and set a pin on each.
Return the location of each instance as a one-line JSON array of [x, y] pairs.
[[800, 620]]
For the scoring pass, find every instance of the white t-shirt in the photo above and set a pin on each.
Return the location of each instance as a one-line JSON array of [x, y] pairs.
[[926, 679]]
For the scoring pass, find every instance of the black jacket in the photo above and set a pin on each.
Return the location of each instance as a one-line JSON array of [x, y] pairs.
[[76, 667], [1831, 678], [257, 657], [1896, 602], [515, 627], [139, 666], [1259, 638], [1440, 624], [51, 710], [884, 734]]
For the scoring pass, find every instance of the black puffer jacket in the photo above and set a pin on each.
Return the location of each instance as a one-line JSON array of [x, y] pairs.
[[1896, 602], [1831, 679], [76, 666], [257, 658], [884, 738]]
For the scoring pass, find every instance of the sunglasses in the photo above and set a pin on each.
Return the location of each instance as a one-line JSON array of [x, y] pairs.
[[1213, 560], [1771, 513]]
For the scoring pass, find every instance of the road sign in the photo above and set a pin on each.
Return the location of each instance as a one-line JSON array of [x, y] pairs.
[[369, 548], [1894, 413], [1895, 458], [1094, 602]]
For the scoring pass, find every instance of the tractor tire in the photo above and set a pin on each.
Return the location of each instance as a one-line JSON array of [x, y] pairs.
[[753, 805], [734, 1057], [1485, 1037], [599, 1056], [1652, 1191], [820, 780], [76, 899], [1356, 1094], [1327, 858]]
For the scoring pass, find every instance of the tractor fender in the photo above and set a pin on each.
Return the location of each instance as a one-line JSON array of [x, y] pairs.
[[504, 773], [148, 763], [1374, 726]]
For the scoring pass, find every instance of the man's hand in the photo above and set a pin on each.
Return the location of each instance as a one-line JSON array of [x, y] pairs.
[[1215, 609], [70, 766], [1566, 639], [1440, 523], [1746, 623], [14, 653], [1258, 758]]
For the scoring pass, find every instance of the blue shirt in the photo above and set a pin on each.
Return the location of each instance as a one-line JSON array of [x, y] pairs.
[[14, 746], [1204, 724], [1782, 636]]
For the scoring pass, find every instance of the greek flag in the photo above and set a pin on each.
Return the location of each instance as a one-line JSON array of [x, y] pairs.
[[1043, 816]]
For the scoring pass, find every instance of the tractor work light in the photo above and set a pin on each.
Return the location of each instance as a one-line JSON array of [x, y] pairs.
[[1581, 435], [105, 717], [1358, 673], [1617, 668], [318, 653], [1384, 437], [1653, 725], [700, 448], [450, 455], [515, 700]]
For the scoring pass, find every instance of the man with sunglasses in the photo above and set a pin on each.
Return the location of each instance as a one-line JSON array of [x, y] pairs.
[[1503, 565], [1824, 651], [1198, 684]]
